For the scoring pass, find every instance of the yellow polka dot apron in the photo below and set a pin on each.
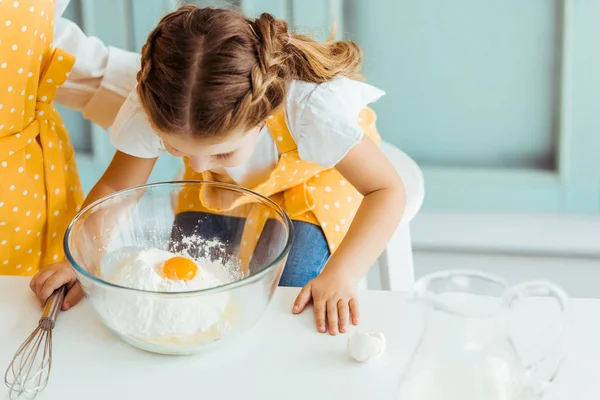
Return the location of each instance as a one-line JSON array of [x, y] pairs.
[[306, 191], [39, 186]]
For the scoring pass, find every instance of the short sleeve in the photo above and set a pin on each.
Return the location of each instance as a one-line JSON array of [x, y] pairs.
[[132, 134], [323, 119]]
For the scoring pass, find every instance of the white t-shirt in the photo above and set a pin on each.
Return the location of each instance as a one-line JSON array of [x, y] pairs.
[[322, 119]]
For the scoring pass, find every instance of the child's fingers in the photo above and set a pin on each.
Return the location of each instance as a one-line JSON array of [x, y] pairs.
[[73, 296], [354, 311], [344, 314], [332, 317], [32, 283], [37, 282], [41, 275], [302, 299], [319, 310], [52, 283]]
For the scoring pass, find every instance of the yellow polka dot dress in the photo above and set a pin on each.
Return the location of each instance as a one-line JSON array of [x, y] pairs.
[[39, 185], [306, 191]]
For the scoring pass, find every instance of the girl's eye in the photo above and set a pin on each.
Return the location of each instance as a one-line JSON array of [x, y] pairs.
[[223, 156]]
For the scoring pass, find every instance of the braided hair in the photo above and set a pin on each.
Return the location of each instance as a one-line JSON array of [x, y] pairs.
[[209, 72]]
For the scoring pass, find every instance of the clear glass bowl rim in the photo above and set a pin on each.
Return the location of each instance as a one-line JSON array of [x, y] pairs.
[[252, 278]]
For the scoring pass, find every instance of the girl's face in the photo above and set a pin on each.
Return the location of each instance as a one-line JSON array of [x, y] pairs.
[[204, 155]]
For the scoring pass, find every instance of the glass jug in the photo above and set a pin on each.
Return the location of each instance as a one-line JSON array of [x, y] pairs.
[[465, 351]]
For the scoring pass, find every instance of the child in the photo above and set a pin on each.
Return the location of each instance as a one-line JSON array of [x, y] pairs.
[[240, 98], [39, 186]]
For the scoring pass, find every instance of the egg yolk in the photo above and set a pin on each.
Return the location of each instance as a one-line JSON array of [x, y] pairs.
[[180, 268]]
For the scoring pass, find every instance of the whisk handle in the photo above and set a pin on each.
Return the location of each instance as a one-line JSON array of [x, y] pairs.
[[52, 307]]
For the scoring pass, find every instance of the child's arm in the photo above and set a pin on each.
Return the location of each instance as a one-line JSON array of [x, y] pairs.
[[334, 291], [124, 171]]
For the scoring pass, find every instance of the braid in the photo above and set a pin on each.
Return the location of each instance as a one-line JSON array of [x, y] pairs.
[[146, 56], [147, 52], [268, 76]]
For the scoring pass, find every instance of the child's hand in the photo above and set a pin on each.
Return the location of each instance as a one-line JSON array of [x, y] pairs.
[[334, 302], [53, 276]]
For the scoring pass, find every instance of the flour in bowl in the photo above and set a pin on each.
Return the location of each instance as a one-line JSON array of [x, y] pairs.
[[142, 270], [179, 317]]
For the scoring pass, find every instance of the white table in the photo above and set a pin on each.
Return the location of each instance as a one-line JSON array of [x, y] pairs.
[[282, 357]]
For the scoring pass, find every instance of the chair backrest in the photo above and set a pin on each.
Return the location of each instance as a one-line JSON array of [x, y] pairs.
[[395, 265], [411, 176]]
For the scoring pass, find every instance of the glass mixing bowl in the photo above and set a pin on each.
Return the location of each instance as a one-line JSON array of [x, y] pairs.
[[241, 238]]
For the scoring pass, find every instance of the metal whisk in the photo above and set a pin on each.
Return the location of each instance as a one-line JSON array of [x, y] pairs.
[[29, 370]]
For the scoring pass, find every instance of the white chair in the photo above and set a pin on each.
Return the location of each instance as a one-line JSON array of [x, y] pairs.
[[394, 268]]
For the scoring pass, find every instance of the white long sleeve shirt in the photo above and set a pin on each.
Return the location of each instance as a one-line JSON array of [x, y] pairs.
[[102, 76]]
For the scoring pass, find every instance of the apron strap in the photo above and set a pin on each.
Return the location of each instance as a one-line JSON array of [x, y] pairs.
[[280, 133]]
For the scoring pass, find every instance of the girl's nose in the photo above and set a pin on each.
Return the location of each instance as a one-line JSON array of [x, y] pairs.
[[199, 164]]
